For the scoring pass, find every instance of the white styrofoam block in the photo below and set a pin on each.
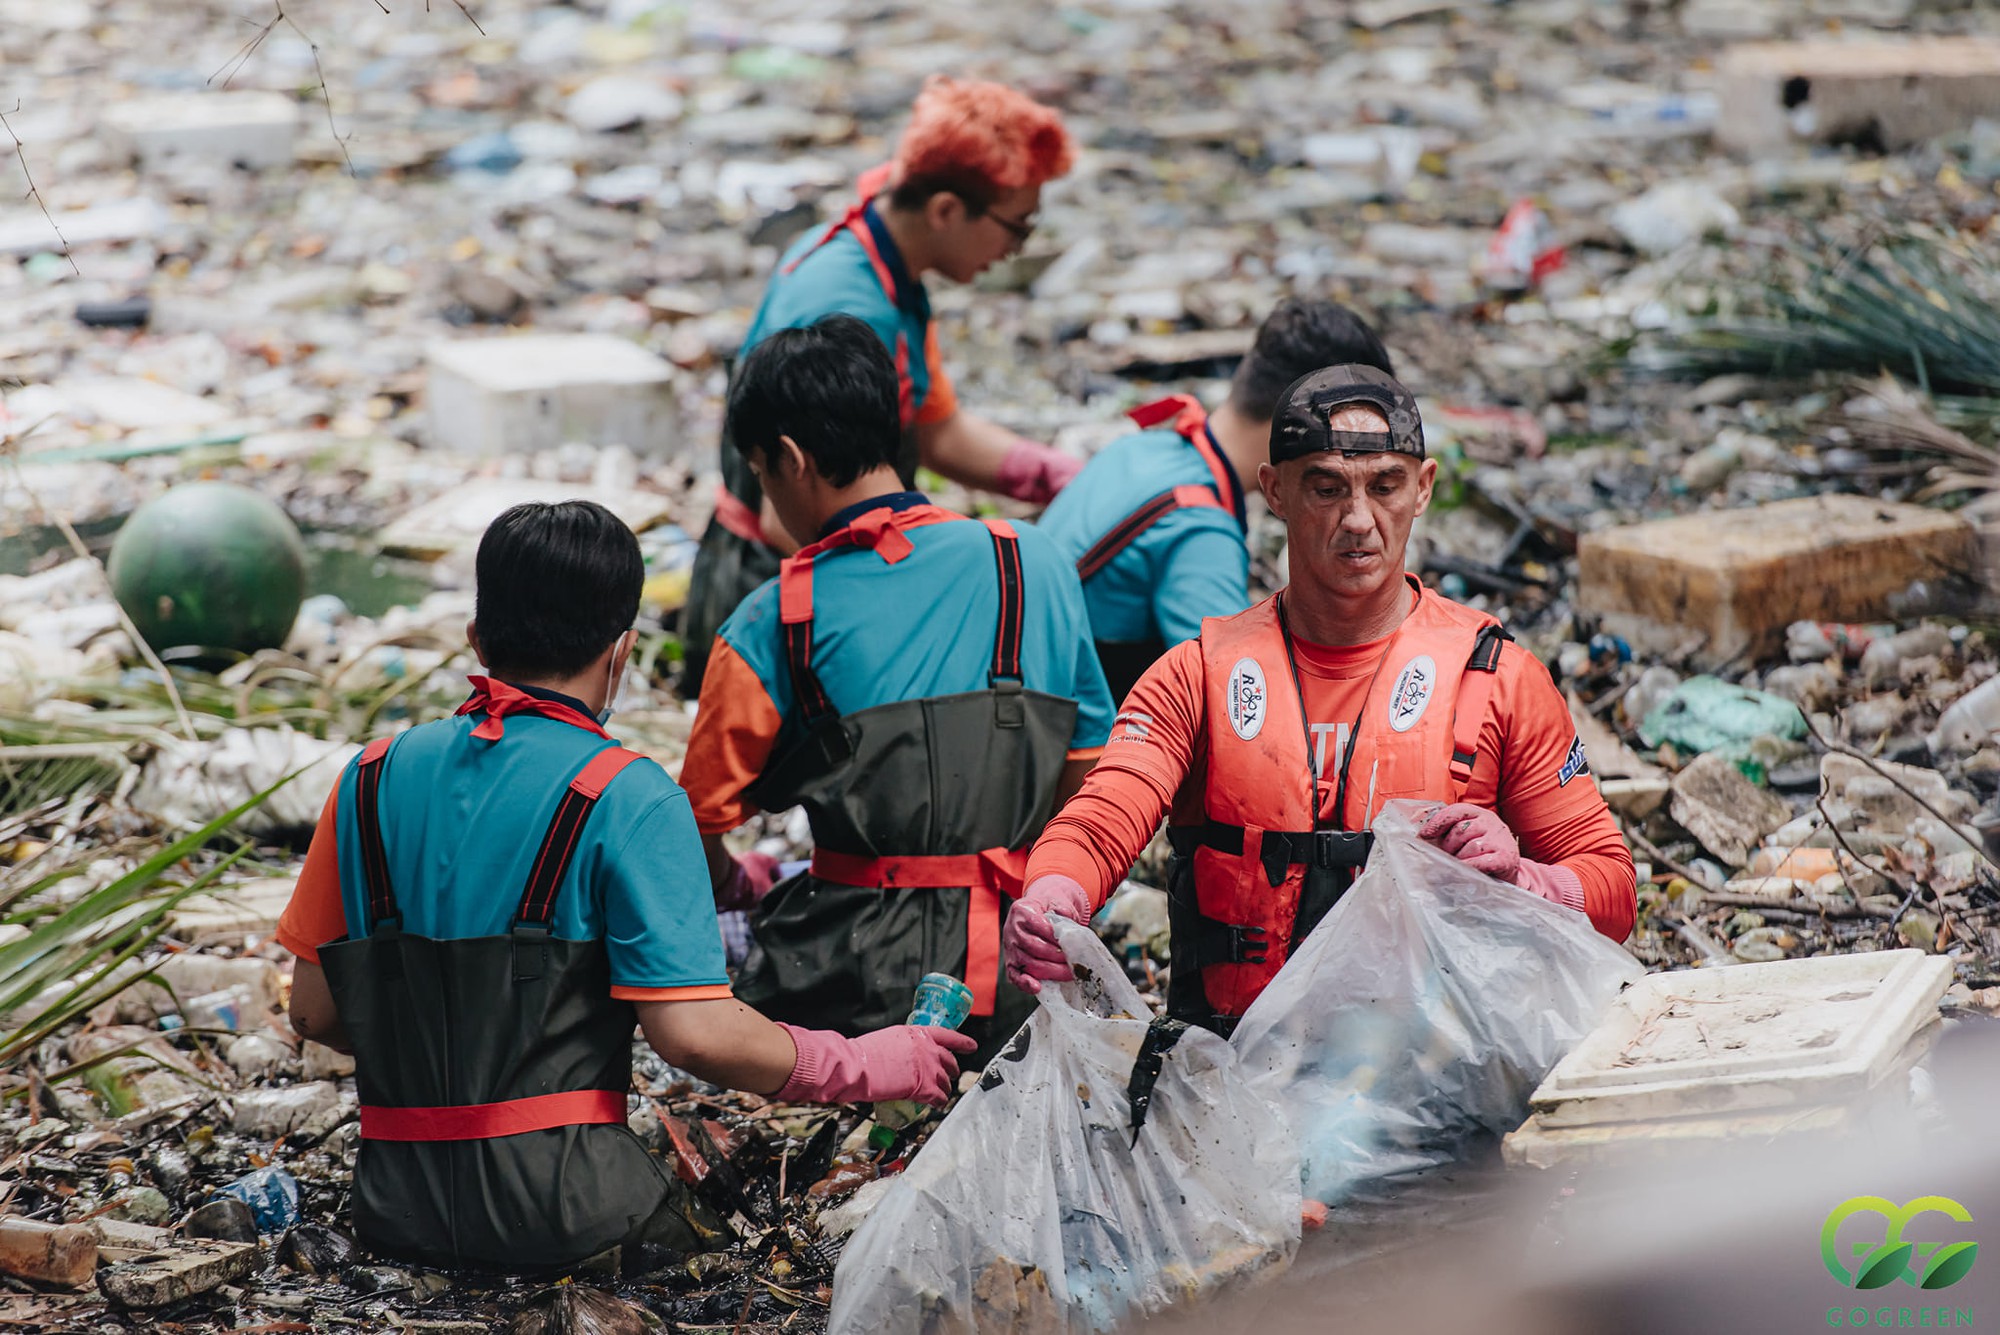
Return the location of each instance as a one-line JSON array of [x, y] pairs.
[[459, 517], [1746, 1036], [250, 129], [537, 391]]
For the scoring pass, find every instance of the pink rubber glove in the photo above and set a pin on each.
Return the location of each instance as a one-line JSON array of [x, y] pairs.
[[750, 879], [1481, 840], [1034, 473], [1030, 938], [904, 1061]]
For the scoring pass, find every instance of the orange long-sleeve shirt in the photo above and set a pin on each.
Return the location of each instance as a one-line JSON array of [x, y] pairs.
[[1529, 770]]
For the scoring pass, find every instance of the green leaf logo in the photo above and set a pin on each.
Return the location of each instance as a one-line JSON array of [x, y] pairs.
[[1950, 1265], [1884, 1264]]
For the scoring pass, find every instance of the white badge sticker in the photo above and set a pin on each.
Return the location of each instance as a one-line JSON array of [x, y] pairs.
[[1412, 694], [1246, 698]]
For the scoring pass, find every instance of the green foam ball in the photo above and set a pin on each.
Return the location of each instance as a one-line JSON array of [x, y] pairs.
[[210, 564]]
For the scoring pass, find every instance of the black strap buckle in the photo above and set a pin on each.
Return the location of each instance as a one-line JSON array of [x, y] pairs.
[[1335, 850], [531, 951], [1010, 710], [1230, 943]]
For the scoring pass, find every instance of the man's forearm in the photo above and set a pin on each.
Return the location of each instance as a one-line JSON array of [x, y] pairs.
[[971, 451], [723, 1042], [1099, 833]]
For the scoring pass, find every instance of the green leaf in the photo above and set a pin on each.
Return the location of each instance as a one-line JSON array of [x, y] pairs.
[[1950, 1265], [1884, 1264]]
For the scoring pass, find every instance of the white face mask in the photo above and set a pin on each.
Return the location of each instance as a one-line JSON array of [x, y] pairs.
[[611, 685]]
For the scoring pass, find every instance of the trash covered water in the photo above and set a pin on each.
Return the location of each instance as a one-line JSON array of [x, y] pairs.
[[1612, 317]]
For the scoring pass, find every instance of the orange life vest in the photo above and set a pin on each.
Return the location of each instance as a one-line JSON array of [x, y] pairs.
[[1264, 867]]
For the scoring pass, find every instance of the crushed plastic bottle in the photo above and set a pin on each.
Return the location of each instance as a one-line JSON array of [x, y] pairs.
[[272, 1195], [943, 1001]]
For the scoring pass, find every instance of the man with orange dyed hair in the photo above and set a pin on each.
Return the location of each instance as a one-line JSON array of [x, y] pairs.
[[960, 195]]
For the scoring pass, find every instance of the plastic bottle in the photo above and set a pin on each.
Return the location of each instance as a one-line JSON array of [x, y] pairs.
[[272, 1195], [1971, 719], [225, 1008], [940, 1000]]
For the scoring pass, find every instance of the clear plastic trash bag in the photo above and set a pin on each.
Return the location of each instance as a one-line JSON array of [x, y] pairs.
[[1032, 1209], [1422, 1011]]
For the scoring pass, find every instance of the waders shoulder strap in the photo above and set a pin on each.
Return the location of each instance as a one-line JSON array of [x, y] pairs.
[[368, 825]]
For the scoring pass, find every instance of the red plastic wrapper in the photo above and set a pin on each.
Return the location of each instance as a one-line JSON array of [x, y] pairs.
[[1523, 251]]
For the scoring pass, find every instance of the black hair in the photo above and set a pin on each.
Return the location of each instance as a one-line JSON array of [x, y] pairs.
[[914, 191], [558, 583], [831, 387], [1297, 338]]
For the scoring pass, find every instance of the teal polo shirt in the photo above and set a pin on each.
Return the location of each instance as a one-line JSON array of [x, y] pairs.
[[1193, 563], [463, 818]]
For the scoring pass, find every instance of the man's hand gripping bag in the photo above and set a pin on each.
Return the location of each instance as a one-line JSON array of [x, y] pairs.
[[1422, 1011], [1036, 1208]]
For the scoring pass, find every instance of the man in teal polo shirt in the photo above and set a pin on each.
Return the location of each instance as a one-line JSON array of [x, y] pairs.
[[1155, 522], [923, 684], [960, 195], [490, 904]]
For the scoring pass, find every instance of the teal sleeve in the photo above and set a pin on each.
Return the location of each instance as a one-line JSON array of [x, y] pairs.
[[659, 912], [1094, 706], [1205, 573]]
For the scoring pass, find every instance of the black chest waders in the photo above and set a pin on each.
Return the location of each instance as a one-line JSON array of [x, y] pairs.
[[493, 1073], [922, 814]]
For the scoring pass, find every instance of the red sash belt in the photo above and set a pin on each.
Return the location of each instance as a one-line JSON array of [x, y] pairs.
[[991, 873], [483, 1121], [733, 514]]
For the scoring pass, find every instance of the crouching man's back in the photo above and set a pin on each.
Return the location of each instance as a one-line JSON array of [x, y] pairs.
[[490, 905]]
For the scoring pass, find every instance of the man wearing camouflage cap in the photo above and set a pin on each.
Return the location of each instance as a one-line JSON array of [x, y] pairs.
[[1275, 737]]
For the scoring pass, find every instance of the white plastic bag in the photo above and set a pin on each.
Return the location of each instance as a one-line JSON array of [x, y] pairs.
[[1422, 1011], [1032, 1210], [187, 784]]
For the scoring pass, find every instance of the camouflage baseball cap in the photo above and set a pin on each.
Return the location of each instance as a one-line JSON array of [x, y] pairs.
[[1300, 426]]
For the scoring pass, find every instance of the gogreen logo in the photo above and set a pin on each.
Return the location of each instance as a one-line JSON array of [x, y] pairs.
[[1879, 1263]]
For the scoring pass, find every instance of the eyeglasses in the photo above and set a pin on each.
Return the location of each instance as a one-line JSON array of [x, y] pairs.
[[1018, 228]]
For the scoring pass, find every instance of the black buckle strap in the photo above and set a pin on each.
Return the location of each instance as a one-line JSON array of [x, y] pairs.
[[1229, 942], [531, 951], [534, 921], [1486, 649], [374, 856], [1013, 608], [538, 900], [1106, 549], [798, 652], [1161, 1036], [1281, 850]]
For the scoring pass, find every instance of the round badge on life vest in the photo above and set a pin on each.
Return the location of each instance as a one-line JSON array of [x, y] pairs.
[[1246, 698], [1412, 694]]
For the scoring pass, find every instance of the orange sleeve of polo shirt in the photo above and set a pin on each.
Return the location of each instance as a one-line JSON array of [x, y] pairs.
[[315, 915], [735, 729], [1100, 832], [941, 399], [710, 992]]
